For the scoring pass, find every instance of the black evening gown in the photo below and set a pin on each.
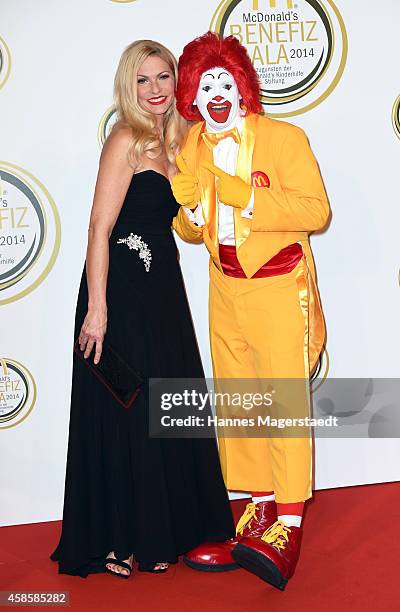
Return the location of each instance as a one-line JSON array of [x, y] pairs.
[[154, 497]]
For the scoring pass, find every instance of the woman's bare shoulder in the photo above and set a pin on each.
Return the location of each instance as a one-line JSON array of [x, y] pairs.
[[118, 142], [120, 135]]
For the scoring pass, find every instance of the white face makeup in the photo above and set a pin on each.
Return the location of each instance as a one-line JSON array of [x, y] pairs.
[[218, 99]]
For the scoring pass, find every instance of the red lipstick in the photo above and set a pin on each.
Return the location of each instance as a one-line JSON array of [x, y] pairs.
[[157, 100]]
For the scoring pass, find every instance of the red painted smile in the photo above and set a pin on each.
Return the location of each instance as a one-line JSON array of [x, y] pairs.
[[219, 111], [157, 101]]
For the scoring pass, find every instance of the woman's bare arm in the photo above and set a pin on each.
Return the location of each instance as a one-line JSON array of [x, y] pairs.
[[112, 183]]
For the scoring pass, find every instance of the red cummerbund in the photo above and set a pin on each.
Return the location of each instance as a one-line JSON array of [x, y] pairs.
[[282, 263]]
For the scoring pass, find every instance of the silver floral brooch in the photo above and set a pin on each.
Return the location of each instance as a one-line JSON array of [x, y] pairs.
[[135, 242]]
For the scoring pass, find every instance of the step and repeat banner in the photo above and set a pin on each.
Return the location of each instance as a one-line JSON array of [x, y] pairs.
[[328, 67]]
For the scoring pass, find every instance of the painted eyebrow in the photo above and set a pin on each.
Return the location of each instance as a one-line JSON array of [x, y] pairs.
[[144, 76], [211, 75]]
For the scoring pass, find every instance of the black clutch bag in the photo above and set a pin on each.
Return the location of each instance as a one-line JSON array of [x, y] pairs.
[[121, 380]]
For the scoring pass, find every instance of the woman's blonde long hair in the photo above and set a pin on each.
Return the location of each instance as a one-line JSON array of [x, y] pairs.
[[145, 137]]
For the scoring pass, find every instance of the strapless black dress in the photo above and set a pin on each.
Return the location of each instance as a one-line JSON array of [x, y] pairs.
[[156, 498]]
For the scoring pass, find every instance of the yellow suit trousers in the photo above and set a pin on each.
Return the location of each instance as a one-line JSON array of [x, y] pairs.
[[259, 329]]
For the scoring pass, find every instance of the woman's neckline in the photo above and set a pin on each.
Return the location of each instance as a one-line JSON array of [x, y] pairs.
[[151, 170]]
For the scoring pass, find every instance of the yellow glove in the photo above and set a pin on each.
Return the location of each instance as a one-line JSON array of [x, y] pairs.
[[185, 185], [232, 190]]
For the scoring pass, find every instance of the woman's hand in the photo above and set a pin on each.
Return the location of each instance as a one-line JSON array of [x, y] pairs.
[[92, 333]]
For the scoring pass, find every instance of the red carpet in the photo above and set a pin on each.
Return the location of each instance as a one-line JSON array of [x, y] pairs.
[[350, 561]]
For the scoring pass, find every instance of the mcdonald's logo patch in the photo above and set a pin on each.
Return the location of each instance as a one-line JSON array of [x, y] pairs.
[[259, 179]]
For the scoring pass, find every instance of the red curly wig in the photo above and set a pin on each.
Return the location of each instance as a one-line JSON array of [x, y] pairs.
[[211, 51]]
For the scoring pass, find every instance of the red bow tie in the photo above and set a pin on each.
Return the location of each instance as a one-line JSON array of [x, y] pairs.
[[213, 138]]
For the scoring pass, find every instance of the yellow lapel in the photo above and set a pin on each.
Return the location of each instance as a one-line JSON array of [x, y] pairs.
[[243, 170], [207, 187], [207, 180]]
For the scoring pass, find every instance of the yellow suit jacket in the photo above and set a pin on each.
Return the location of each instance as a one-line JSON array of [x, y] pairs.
[[289, 197]]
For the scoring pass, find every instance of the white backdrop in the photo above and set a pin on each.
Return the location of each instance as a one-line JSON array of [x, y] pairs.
[[56, 74]]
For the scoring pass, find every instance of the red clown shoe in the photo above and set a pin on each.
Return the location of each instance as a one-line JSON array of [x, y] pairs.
[[273, 556], [217, 556]]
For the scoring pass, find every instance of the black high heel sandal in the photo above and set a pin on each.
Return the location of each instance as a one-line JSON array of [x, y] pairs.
[[149, 566], [118, 560]]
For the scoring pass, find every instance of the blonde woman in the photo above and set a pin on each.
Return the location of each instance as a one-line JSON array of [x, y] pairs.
[[129, 496]]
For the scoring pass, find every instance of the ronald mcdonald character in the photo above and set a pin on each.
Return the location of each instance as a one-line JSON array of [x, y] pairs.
[[250, 188]]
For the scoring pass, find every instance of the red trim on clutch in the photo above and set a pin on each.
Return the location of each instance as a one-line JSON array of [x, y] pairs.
[[282, 263]]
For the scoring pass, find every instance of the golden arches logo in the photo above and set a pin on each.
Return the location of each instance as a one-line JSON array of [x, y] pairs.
[[299, 49], [259, 181], [17, 392], [272, 4]]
